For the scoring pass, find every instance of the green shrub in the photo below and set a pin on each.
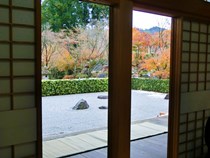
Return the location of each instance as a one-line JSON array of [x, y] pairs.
[[156, 85], [73, 86], [76, 86]]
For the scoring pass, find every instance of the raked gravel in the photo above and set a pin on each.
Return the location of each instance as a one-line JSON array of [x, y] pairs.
[[59, 119]]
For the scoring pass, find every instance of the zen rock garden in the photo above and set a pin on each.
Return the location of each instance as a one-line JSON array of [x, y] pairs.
[[82, 104]]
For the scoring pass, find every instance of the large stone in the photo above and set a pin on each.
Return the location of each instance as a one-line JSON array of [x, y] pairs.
[[103, 97], [167, 96], [82, 104]]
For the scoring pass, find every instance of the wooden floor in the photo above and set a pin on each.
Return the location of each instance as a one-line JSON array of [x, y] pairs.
[[139, 149], [77, 144]]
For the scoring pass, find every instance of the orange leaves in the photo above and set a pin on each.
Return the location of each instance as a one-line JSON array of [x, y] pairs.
[[151, 53], [158, 66], [64, 61], [140, 40]]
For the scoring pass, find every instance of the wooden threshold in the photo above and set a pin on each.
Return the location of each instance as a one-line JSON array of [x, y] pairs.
[[84, 142]]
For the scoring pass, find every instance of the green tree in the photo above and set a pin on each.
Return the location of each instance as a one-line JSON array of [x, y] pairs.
[[63, 14]]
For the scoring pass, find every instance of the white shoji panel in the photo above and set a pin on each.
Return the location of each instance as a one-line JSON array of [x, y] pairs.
[[18, 126], [201, 77], [23, 17], [208, 86], [5, 2], [203, 28], [185, 46], [4, 86], [194, 47], [185, 57], [208, 67], [182, 138], [199, 133], [186, 25], [184, 88], [202, 58], [194, 57], [195, 37], [202, 48], [5, 103], [4, 68], [186, 36], [193, 86], [195, 26], [4, 15], [23, 68], [193, 67], [208, 76], [25, 150], [23, 3], [191, 117], [201, 86], [185, 67], [208, 57], [23, 34], [25, 101], [23, 51], [23, 85], [6, 152], [203, 37], [184, 77], [4, 32], [4, 51]]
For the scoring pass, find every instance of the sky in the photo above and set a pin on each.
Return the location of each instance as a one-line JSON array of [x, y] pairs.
[[145, 20]]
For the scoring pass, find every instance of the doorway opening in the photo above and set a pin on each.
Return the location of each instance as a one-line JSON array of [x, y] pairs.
[[151, 42], [75, 48]]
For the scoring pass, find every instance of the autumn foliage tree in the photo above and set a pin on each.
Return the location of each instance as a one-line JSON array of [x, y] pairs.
[[86, 46], [49, 48], [151, 53]]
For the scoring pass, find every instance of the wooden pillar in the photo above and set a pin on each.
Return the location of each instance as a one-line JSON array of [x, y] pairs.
[[174, 101], [120, 80]]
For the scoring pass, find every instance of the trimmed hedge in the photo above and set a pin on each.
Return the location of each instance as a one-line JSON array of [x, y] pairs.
[[155, 85], [73, 86], [76, 86]]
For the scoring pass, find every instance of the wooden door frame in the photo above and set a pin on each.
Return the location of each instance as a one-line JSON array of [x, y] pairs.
[[120, 92], [38, 89], [175, 75]]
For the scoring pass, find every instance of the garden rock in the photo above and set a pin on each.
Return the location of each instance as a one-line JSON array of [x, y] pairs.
[[167, 96], [103, 107], [103, 97], [82, 104]]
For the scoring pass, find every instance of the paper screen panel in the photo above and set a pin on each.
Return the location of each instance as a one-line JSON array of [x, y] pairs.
[[24, 101], [4, 86], [23, 34], [4, 2], [5, 103], [24, 85], [4, 51], [23, 68], [23, 3], [23, 17], [4, 32], [4, 12], [23, 51], [6, 152], [195, 78], [18, 111], [25, 150], [4, 68], [18, 127]]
